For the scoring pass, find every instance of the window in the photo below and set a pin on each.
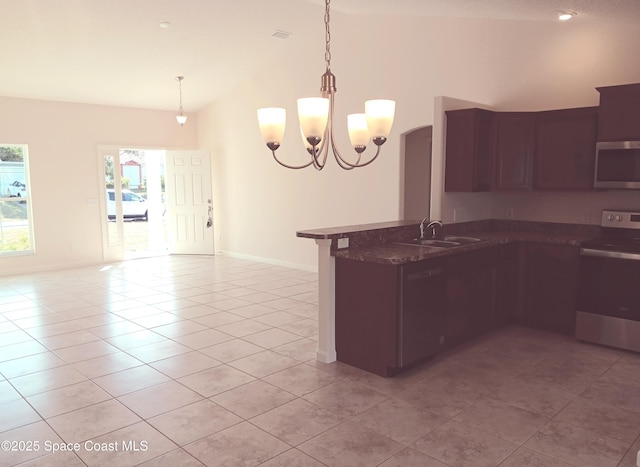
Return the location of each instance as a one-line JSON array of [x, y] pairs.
[[15, 207]]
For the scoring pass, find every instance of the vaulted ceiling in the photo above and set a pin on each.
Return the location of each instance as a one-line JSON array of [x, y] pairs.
[[115, 52]]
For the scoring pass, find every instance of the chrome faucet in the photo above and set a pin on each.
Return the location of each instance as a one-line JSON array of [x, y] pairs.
[[433, 225]]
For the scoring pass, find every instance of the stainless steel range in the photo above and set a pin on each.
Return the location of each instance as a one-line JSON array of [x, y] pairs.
[[609, 283]]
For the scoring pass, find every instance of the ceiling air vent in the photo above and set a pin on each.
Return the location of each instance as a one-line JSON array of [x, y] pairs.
[[281, 34]]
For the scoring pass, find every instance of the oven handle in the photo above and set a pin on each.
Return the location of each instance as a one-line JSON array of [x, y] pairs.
[[609, 254]]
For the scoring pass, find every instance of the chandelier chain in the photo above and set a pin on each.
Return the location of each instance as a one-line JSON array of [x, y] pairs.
[[327, 35]]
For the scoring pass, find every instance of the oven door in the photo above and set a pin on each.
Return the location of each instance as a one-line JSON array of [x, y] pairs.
[[609, 301]]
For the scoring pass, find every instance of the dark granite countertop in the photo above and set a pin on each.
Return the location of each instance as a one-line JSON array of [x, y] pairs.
[[345, 231], [395, 253], [391, 252]]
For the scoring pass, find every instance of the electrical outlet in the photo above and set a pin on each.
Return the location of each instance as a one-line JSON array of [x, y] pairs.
[[343, 242], [508, 213], [586, 217], [456, 214]]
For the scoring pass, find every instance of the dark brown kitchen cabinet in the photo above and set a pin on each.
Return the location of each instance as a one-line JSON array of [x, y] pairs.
[[468, 150], [551, 281], [619, 113], [509, 282], [366, 306], [565, 149], [514, 142], [389, 317], [470, 289]]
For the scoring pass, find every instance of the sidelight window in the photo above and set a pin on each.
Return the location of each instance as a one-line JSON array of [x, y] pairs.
[[16, 235]]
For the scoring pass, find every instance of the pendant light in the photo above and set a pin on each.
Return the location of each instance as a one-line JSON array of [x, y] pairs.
[[316, 115], [181, 117]]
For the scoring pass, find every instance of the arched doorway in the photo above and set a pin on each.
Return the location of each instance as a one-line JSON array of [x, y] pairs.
[[416, 183]]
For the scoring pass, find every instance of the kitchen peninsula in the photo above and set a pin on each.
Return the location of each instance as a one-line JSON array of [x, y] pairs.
[[372, 316]]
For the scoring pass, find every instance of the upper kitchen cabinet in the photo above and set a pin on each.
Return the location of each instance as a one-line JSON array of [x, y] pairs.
[[514, 141], [468, 150], [619, 113], [565, 149]]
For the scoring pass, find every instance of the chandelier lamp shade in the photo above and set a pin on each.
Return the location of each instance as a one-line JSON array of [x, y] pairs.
[[316, 116], [181, 117]]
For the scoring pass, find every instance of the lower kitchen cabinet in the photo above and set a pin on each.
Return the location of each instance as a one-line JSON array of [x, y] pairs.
[[366, 303], [389, 317], [509, 282], [470, 294], [551, 285]]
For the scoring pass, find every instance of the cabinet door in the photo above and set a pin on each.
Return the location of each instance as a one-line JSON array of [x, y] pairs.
[[514, 140], [468, 151], [551, 287], [367, 297], [470, 294], [565, 149], [509, 282], [619, 113]]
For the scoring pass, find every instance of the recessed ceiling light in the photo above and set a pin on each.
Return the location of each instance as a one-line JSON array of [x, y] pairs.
[[566, 15], [165, 24]]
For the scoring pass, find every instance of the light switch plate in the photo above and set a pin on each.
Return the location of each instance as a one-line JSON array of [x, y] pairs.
[[343, 242]]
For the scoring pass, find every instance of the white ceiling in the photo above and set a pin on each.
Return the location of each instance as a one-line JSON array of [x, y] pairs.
[[114, 52]]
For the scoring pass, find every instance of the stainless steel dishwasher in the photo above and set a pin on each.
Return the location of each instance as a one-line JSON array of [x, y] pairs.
[[422, 311]]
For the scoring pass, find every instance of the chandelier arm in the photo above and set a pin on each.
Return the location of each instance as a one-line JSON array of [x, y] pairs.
[[364, 164], [291, 166], [336, 154], [328, 134], [320, 155]]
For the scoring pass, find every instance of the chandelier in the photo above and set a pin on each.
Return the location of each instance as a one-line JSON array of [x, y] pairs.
[[316, 121], [181, 117]]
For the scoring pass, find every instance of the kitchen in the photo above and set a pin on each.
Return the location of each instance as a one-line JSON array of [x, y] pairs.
[[529, 157]]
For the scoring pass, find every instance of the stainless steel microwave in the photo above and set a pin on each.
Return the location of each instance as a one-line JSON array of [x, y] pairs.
[[617, 165]]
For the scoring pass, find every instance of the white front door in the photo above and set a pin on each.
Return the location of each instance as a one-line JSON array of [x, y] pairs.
[[189, 204]]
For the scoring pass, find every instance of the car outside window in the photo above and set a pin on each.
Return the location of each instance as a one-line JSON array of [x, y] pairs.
[[16, 228]]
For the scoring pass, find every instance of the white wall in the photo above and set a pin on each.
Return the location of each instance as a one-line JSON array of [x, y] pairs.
[[63, 139], [258, 204], [507, 65]]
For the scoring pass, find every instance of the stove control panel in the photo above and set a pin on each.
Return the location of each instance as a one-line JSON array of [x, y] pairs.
[[620, 219]]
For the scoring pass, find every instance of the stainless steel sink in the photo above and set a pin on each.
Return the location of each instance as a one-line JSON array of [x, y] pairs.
[[462, 240], [432, 242], [445, 242]]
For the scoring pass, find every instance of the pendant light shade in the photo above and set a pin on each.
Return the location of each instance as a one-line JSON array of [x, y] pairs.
[[272, 121]]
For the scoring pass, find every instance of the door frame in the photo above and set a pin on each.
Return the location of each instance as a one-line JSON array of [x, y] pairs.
[[117, 251], [111, 252]]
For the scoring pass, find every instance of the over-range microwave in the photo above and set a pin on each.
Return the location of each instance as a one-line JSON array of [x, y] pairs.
[[617, 165]]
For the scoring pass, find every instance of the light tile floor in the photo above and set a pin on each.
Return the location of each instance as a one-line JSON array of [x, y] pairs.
[[176, 360]]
